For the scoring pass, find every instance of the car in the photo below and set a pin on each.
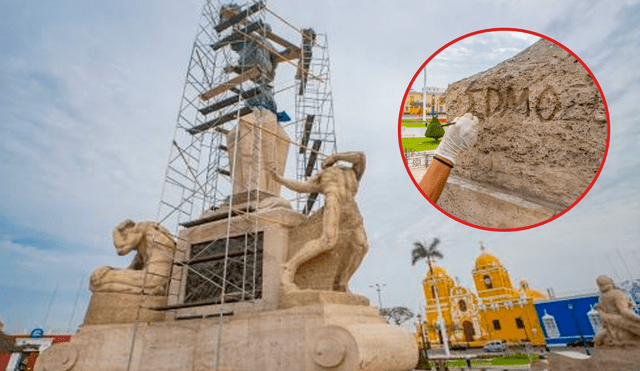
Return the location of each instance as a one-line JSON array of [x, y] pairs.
[[497, 346], [459, 346]]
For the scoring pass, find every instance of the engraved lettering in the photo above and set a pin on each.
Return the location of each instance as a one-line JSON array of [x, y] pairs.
[[472, 106], [512, 102], [496, 92], [550, 101]]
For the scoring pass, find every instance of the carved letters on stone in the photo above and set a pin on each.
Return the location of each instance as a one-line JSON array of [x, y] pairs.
[[543, 122]]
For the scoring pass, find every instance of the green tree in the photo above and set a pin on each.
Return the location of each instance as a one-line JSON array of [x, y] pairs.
[[398, 315], [434, 130]]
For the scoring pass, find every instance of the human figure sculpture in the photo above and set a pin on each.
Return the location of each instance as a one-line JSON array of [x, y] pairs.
[[252, 52], [150, 269], [339, 184], [620, 325]]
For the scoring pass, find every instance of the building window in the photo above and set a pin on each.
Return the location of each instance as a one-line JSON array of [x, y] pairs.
[[441, 108], [496, 325], [550, 326], [433, 291], [462, 305], [519, 323], [487, 282]]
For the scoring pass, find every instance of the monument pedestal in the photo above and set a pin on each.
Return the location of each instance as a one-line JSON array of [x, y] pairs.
[[109, 307], [227, 308], [306, 338]]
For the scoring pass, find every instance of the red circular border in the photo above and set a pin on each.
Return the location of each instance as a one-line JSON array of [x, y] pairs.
[[606, 108]]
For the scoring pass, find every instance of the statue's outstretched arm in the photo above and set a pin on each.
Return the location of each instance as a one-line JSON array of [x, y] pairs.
[[310, 186]]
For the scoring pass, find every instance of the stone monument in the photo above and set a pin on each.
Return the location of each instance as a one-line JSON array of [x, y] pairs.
[[117, 292], [297, 313], [541, 143], [617, 343], [257, 140]]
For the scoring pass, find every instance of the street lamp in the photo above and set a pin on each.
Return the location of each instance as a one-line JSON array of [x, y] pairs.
[[378, 288], [584, 341], [424, 96], [433, 105]]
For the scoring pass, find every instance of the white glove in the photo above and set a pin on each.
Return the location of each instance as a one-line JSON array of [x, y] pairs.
[[459, 137]]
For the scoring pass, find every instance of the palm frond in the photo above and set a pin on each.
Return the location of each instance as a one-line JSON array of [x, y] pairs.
[[418, 252]]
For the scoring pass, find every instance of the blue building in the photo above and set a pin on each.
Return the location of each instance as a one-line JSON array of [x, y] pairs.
[[568, 319]]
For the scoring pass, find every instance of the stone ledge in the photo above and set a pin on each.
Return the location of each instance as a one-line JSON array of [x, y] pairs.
[[113, 308], [312, 297], [489, 207]]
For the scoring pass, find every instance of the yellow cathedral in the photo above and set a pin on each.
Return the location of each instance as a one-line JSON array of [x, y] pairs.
[[496, 311]]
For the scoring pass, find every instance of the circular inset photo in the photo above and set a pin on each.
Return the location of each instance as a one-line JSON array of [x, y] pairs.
[[504, 129]]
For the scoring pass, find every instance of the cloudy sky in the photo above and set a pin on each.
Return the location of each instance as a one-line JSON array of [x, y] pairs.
[[89, 93], [471, 55]]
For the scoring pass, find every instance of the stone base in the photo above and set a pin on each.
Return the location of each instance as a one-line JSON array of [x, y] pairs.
[[109, 307], [605, 359], [309, 338], [492, 208], [311, 297]]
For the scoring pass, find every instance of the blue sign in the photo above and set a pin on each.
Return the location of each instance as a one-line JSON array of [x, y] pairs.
[[37, 333]]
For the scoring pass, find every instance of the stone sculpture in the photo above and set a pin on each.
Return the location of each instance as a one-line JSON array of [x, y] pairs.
[[252, 52], [620, 325], [339, 184], [617, 343], [150, 269], [260, 140]]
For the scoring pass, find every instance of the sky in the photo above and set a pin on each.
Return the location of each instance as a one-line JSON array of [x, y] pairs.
[[89, 94], [472, 55]]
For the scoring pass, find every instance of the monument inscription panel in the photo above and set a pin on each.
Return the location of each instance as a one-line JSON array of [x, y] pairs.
[[207, 267]]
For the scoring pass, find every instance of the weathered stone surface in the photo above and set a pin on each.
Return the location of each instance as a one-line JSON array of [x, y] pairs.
[[310, 297], [262, 141], [324, 271], [491, 207], [308, 338], [544, 127], [620, 323], [110, 307], [338, 242], [150, 270]]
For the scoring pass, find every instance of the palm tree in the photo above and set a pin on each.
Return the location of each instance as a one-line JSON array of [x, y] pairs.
[[429, 253]]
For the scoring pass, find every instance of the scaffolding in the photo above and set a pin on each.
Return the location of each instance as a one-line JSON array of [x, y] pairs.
[[231, 73], [198, 175]]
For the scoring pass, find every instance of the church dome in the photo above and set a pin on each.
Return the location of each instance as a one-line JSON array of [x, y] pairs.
[[438, 271], [531, 293], [485, 258]]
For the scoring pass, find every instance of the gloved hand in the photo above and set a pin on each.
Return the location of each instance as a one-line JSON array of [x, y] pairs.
[[459, 137]]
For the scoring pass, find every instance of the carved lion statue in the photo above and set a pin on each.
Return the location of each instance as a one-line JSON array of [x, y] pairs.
[[149, 271]]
